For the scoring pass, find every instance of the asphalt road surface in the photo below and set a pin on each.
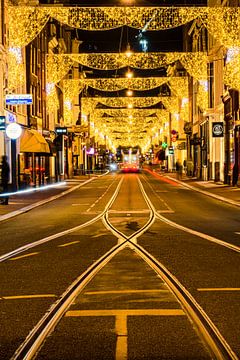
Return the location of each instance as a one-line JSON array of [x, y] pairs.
[[126, 267]]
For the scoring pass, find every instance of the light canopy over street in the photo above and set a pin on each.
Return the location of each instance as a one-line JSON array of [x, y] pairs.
[[119, 179]]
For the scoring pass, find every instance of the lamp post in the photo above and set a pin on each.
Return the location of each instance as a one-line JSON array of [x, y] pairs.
[[227, 101], [14, 131]]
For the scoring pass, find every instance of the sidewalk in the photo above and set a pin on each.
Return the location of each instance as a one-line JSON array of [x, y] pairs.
[[21, 201], [217, 190]]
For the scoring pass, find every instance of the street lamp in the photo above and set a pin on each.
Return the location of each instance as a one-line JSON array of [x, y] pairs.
[[13, 131]]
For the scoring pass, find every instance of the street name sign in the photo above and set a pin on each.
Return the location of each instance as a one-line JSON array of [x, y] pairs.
[[18, 99]]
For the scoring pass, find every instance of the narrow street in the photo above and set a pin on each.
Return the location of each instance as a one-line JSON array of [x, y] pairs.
[[119, 180], [125, 307]]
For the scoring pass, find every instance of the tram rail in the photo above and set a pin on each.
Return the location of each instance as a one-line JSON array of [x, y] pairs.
[[218, 347]]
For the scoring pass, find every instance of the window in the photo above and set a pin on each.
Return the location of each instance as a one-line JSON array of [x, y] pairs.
[[211, 84]]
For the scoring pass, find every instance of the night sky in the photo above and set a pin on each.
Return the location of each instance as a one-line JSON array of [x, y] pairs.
[[116, 40]]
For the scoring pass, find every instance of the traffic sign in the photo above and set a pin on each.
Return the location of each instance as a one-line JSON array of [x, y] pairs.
[[13, 131]]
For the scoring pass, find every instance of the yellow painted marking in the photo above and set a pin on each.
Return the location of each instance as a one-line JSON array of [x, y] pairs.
[[28, 296], [121, 331], [124, 292], [121, 348], [24, 256], [127, 312], [219, 289], [70, 243], [80, 204], [129, 212], [121, 325]]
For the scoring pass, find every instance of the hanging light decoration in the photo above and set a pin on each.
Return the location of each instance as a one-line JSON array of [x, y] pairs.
[[27, 21]]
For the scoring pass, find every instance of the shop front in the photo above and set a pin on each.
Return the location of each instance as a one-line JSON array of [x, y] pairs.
[[33, 169]]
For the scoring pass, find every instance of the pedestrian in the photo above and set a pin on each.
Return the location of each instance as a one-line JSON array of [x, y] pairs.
[[185, 166], [5, 172], [235, 174], [179, 169]]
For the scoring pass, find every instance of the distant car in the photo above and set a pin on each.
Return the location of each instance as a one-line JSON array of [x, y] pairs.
[[113, 167], [130, 168]]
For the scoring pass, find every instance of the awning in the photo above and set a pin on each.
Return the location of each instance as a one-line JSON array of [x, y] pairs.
[[32, 141]]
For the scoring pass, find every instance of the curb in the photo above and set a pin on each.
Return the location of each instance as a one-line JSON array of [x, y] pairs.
[[42, 202], [205, 192]]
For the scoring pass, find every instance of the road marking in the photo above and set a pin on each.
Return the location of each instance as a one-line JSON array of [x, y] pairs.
[[219, 289], [24, 256], [129, 212], [127, 312], [68, 244], [121, 322], [121, 331], [80, 204], [159, 176], [28, 296], [125, 292], [99, 198], [18, 202]]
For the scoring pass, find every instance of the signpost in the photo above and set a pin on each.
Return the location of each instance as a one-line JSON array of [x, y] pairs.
[[18, 99], [62, 131]]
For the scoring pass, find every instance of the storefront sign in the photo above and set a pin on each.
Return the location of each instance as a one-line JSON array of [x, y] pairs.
[[217, 129], [61, 130], [90, 151], [19, 99], [187, 128], [2, 123], [13, 131]]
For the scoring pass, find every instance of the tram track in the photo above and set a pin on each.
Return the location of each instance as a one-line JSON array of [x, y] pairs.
[[218, 347], [204, 236], [104, 215], [29, 246]]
